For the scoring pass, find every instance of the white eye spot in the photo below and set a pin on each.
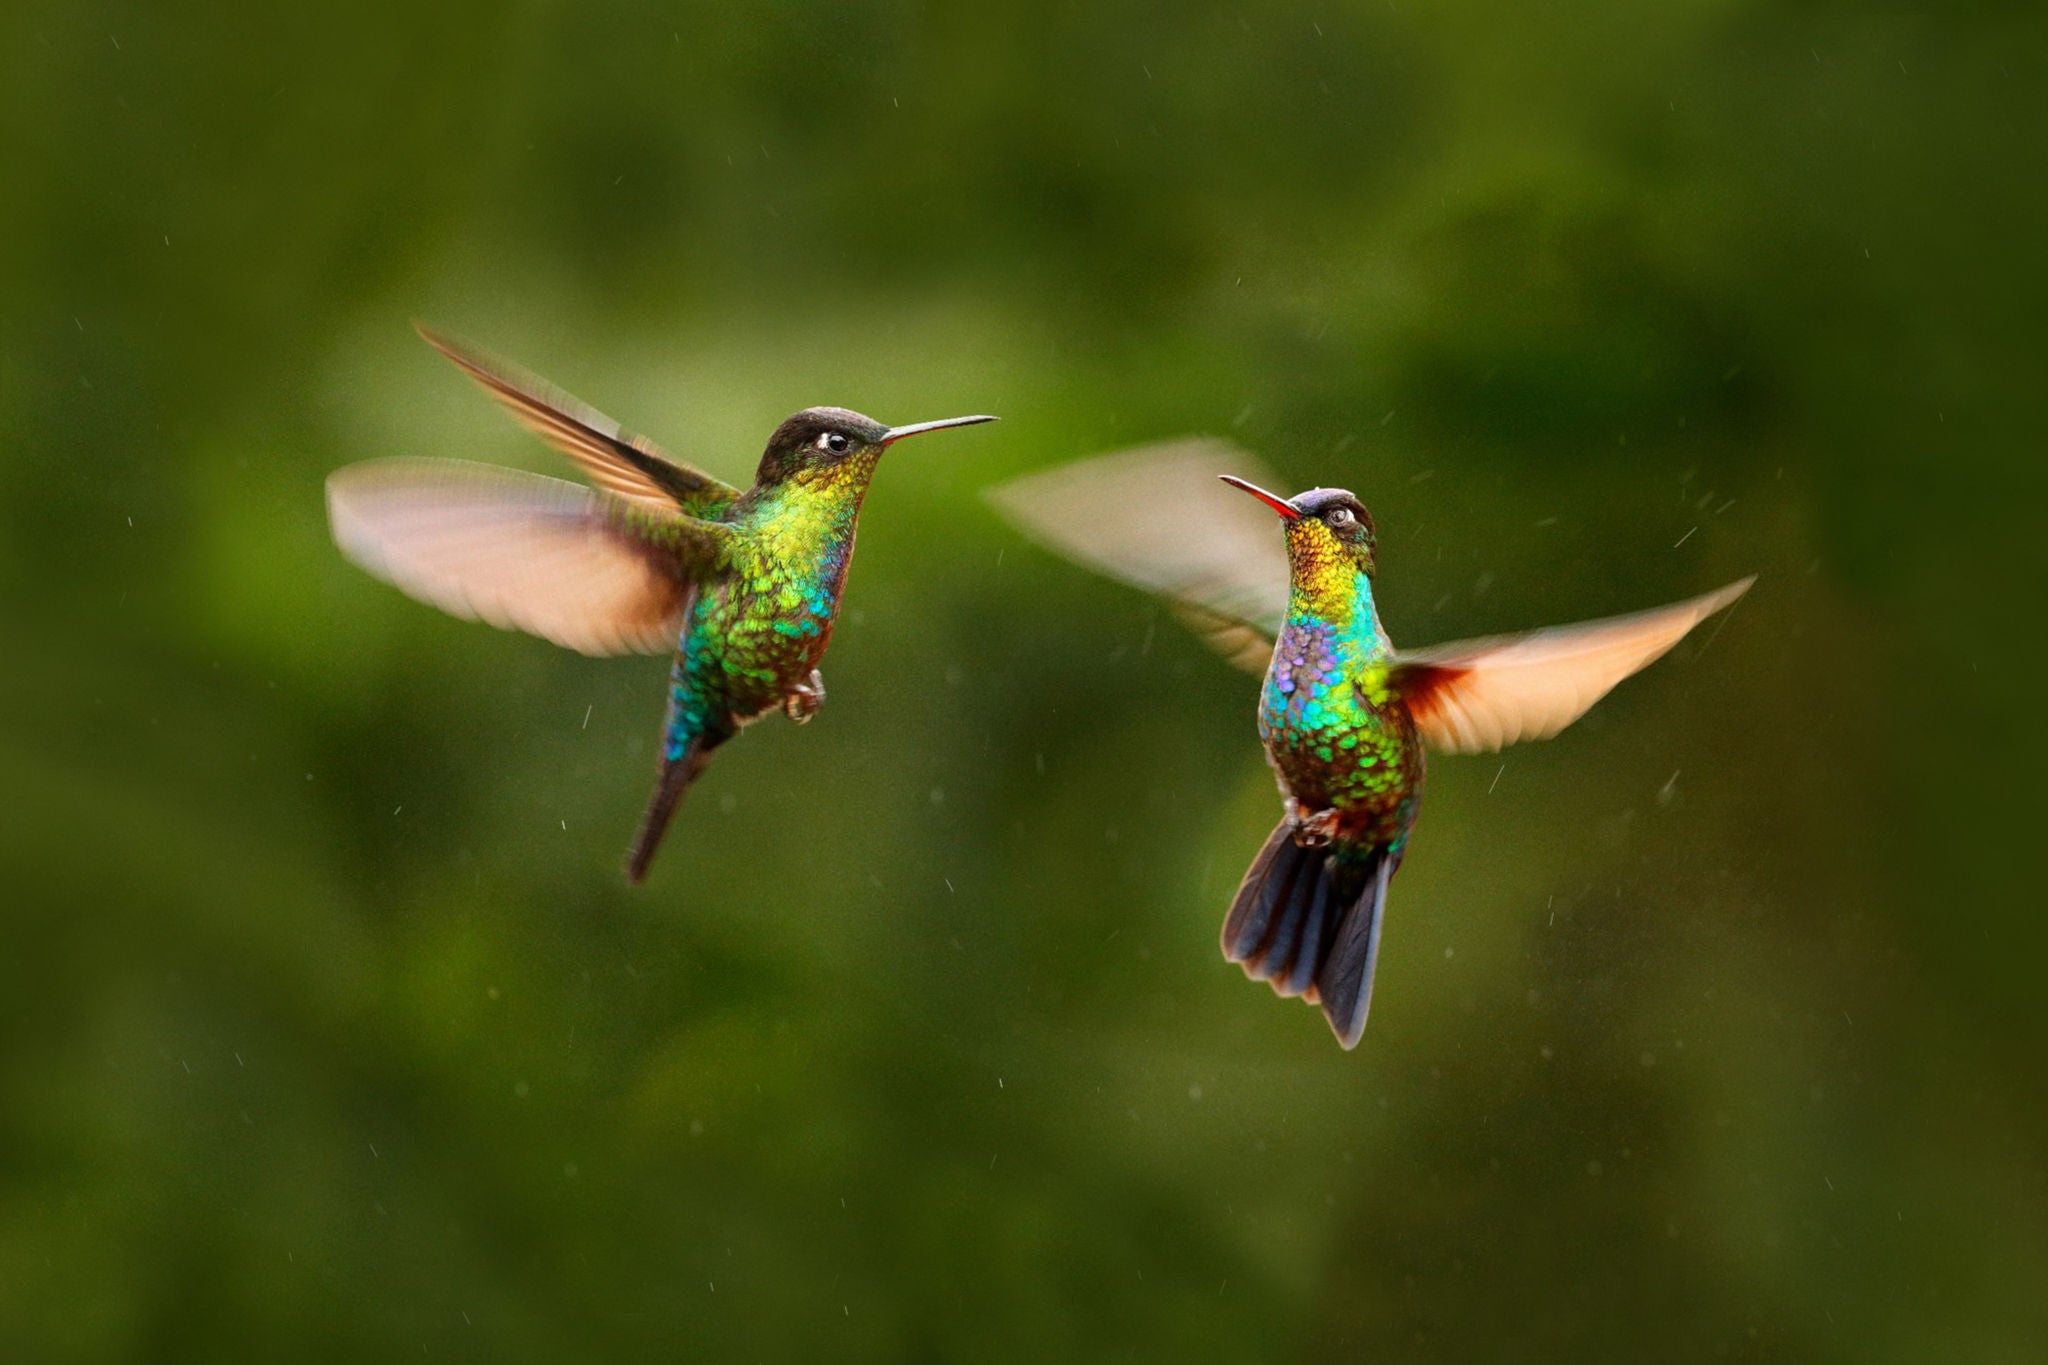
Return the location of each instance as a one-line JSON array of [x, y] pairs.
[[1341, 516], [833, 441]]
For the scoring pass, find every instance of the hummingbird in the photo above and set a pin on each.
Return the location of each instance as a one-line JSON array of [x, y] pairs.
[[1344, 716], [655, 556]]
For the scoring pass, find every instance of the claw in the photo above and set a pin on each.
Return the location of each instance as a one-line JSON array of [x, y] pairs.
[[1314, 829], [804, 700]]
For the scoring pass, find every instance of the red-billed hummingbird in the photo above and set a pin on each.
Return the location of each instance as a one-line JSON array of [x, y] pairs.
[[1344, 716]]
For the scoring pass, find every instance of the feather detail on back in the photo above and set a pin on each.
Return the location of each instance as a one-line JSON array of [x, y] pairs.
[[1475, 696], [519, 551]]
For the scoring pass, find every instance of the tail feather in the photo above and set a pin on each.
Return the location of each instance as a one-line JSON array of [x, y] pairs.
[[1314, 935], [675, 778], [1293, 882], [1344, 985], [1308, 922], [1251, 915]]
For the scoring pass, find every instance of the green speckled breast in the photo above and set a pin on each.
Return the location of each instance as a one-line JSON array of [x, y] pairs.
[[1334, 738], [775, 615]]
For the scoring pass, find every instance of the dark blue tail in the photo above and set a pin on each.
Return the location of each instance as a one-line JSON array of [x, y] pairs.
[[1307, 920], [675, 778]]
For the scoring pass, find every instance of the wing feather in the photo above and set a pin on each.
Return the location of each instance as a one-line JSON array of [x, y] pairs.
[[520, 551], [1476, 696], [616, 460], [1157, 518]]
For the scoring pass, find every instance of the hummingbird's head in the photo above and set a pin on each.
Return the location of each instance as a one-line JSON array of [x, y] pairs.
[[1326, 528], [835, 443]]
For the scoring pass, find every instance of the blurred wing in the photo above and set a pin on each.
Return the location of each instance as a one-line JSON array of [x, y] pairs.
[[523, 552], [1477, 695], [1156, 517], [614, 459], [1248, 646]]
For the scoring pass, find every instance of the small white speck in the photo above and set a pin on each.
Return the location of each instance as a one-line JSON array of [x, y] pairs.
[[1684, 538], [586, 714], [1496, 780]]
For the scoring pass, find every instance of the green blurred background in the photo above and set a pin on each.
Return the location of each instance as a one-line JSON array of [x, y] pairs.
[[1711, 1029]]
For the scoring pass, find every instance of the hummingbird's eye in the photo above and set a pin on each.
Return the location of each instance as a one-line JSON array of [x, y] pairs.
[[1341, 518], [834, 441]]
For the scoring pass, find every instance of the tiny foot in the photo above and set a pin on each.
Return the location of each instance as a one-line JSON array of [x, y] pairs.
[[1314, 829], [805, 699]]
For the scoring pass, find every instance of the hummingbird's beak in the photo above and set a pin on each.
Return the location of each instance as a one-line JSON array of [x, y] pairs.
[[895, 434], [1285, 508]]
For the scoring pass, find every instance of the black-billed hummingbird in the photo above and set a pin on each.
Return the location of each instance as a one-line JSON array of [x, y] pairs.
[[659, 556]]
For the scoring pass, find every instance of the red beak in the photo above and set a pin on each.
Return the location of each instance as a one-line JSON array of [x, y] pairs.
[[1285, 508]]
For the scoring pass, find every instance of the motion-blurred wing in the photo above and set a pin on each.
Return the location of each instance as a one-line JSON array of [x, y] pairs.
[[614, 459], [1157, 517], [1478, 695], [554, 559]]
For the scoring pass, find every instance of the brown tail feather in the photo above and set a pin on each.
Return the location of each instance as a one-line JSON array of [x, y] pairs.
[[676, 777]]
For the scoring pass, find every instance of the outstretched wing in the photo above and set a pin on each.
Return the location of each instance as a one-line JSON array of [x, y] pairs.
[[614, 459], [1475, 696], [1156, 517], [587, 570]]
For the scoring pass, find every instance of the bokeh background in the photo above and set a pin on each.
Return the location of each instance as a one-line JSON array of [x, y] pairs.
[[1711, 1029]]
